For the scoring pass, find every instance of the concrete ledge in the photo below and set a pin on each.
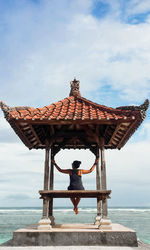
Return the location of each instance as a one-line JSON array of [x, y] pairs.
[[75, 235]]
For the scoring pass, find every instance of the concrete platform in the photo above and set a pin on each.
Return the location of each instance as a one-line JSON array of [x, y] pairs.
[[141, 246], [75, 235]]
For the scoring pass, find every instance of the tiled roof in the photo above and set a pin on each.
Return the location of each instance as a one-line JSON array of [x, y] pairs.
[[72, 108], [75, 122]]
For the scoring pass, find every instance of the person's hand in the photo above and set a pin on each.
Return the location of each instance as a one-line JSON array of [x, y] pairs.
[[53, 162], [96, 160]]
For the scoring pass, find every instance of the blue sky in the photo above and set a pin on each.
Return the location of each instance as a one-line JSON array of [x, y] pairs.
[[43, 45]]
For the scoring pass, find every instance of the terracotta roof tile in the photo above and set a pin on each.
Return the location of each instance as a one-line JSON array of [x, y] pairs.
[[72, 108]]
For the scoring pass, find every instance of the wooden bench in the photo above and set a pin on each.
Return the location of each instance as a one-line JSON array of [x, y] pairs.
[[49, 195]]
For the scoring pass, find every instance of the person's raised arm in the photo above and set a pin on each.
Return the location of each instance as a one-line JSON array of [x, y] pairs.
[[64, 171], [91, 169]]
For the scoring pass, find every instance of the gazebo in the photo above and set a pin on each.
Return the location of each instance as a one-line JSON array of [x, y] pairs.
[[75, 123]]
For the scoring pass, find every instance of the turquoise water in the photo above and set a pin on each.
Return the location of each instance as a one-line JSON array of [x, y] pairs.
[[14, 218]]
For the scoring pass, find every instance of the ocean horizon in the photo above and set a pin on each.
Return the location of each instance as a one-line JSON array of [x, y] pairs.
[[136, 218]]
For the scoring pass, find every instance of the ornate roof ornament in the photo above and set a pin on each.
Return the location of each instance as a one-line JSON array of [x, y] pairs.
[[75, 85], [6, 109], [145, 105], [143, 108]]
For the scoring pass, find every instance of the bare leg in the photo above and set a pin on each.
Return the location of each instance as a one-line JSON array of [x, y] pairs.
[[73, 201], [76, 205], [77, 201]]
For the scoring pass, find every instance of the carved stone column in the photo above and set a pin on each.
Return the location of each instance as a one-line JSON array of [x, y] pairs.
[[98, 186], [105, 221], [51, 187], [103, 181], [45, 222]]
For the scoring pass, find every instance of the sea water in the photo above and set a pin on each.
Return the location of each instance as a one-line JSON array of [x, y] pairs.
[[134, 218]]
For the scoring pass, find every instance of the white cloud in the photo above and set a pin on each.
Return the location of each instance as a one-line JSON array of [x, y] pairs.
[[44, 50], [138, 7]]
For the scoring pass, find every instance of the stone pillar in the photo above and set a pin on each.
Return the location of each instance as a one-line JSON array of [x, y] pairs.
[[98, 186], [45, 222], [105, 221], [103, 181], [51, 187]]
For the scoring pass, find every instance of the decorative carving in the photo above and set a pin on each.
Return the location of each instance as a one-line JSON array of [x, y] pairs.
[[75, 85], [145, 105], [6, 109], [142, 108]]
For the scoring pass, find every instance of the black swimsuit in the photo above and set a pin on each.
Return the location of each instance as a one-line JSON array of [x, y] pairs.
[[75, 181]]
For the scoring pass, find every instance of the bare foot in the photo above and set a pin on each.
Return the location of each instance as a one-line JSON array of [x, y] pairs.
[[76, 210]]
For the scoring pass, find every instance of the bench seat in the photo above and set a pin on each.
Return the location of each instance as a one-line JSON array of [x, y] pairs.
[[100, 194]]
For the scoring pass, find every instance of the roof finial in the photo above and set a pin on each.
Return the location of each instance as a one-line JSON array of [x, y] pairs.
[[75, 85]]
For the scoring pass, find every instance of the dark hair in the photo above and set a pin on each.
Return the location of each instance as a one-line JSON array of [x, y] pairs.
[[76, 164]]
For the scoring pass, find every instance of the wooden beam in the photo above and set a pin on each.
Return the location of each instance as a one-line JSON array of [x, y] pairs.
[[68, 134], [127, 132], [101, 194], [93, 135], [71, 127], [22, 135], [24, 128], [62, 144], [52, 131], [97, 130], [77, 126], [114, 134], [35, 134], [77, 121], [87, 144], [107, 128]]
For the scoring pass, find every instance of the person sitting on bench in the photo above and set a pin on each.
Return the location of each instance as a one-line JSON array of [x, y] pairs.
[[75, 178]]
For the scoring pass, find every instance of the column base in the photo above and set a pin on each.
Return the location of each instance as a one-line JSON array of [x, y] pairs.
[[44, 224], [98, 220], [105, 223], [52, 219]]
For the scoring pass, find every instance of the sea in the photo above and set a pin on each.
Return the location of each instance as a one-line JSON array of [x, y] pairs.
[[135, 218]]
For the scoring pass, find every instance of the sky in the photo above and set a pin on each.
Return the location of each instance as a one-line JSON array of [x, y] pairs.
[[43, 45]]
